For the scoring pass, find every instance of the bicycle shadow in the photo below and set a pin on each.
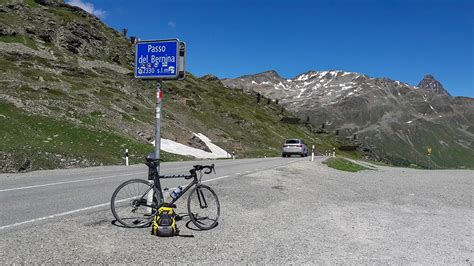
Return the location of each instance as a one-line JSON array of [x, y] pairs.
[[181, 216], [184, 217], [116, 223], [190, 225]]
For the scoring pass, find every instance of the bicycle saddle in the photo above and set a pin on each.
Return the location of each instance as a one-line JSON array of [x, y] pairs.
[[152, 160]]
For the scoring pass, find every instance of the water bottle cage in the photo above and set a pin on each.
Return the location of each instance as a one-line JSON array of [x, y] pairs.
[[176, 192]]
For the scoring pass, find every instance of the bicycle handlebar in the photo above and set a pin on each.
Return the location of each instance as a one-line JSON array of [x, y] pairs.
[[210, 168]]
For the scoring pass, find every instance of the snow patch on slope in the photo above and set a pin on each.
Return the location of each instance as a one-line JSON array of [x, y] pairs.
[[181, 149]]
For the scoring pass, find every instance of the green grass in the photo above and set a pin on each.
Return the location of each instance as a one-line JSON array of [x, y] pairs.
[[6, 65], [415, 166], [451, 155], [31, 3], [343, 165], [19, 39], [46, 141]]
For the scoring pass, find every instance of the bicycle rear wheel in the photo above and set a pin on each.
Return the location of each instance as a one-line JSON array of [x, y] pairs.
[[203, 207], [129, 203]]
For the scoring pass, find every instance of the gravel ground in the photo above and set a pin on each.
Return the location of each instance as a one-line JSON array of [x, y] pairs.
[[299, 213]]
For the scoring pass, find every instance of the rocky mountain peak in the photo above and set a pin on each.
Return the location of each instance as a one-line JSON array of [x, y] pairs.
[[431, 84], [305, 75], [210, 77], [270, 74]]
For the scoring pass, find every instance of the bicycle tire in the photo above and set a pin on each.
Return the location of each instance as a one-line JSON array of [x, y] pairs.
[[133, 201], [203, 195]]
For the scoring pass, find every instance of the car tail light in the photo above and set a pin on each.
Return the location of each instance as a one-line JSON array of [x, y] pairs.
[[299, 145]]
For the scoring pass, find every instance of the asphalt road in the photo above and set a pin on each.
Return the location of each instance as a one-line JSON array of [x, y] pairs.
[[42, 195], [294, 211]]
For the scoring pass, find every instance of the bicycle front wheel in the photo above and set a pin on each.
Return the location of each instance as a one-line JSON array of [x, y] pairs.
[[203, 207], [133, 203]]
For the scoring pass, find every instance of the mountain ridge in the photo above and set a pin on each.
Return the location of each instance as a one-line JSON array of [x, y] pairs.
[[428, 82], [384, 114]]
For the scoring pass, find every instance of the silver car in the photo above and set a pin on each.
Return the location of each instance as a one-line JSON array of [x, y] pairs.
[[294, 146]]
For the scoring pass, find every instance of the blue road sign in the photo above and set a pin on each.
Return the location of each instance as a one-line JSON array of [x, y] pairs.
[[157, 59]]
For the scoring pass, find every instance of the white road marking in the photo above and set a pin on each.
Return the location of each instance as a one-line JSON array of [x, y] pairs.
[[86, 208], [83, 209], [54, 216], [65, 182], [217, 178]]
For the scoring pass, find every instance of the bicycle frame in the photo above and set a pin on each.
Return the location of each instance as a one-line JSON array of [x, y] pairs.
[[157, 185]]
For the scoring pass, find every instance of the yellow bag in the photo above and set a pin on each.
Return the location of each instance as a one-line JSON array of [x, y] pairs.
[[164, 222]]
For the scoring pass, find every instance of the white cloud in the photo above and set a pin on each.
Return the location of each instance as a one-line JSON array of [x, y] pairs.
[[88, 7], [172, 24]]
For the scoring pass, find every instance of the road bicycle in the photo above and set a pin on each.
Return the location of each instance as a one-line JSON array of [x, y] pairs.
[[135, 202]]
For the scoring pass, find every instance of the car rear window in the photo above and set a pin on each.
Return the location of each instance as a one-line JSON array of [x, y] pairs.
[[292, 141]]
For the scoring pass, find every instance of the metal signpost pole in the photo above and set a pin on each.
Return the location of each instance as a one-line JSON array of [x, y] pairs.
[[159, 59], [156, 152], [159, 95]]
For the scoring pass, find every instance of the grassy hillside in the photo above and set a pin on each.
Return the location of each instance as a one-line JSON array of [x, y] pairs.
[[448, 149], [343, 165], [68, 98]]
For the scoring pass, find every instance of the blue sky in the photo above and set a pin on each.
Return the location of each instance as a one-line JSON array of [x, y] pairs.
[[402, 40]]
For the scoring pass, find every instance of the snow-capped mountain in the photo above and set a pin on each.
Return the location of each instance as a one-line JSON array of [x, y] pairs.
[[397, 120]]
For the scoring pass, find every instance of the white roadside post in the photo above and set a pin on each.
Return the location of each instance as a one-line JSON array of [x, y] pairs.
[[126, 157], [312, 154], [334, 152]]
